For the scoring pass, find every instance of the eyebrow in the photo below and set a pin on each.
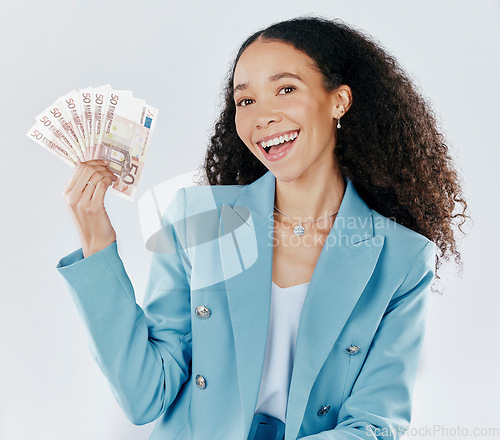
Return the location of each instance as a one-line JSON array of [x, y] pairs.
[[275, 77]]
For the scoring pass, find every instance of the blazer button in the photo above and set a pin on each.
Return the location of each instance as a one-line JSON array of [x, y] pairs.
[[201, 382], [323, 410], [202, 312], [353, 349]]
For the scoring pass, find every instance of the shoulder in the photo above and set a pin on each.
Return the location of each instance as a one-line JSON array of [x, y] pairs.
[[209, 196], [397, 235], [212, 195], [401, 245], [197, 208], [408, 253], [190, 200]]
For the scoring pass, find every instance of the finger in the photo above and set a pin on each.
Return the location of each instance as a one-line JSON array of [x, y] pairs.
[[100, 191], [94, 162], [76, 175], [93, 183], [80, 168], [87, 192], [92, 174]]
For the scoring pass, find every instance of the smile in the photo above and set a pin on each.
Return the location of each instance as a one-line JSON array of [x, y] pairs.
[[269, 142], [274, 148]]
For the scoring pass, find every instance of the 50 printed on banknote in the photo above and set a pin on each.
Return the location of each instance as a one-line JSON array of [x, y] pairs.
[[99, 123]]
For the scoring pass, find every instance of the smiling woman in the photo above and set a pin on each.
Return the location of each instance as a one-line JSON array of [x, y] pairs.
[[300, 311], [389, 146]]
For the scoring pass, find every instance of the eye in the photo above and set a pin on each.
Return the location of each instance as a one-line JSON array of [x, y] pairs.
[[244, 102], [239, 103], [285, 88]]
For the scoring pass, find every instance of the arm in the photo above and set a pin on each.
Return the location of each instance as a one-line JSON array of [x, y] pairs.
[[379, 406], [145, 359]]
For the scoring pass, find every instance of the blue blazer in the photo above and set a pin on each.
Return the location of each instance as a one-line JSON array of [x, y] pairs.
[[196, 370]]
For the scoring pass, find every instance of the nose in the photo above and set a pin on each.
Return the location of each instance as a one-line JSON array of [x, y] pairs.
[[266, 114]]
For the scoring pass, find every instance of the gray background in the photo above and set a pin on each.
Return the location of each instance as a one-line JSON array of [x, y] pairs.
[[175, 55]]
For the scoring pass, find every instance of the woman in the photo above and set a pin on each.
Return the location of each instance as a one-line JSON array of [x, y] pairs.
[[322, 139]]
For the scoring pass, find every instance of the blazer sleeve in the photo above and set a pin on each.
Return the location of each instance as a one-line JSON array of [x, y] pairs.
[[144, 356], [379, 406]]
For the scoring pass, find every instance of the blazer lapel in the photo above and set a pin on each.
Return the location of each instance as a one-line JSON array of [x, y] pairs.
[[247, 254], [344, 267]]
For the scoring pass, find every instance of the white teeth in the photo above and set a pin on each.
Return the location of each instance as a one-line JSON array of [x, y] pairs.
[[279, 140]]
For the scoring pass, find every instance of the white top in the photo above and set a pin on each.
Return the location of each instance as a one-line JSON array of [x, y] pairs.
[[286, 307]]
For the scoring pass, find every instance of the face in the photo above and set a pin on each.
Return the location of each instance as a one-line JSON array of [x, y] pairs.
[[278, 93]]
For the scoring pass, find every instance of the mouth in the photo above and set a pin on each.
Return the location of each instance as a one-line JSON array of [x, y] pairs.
[[278, 143]]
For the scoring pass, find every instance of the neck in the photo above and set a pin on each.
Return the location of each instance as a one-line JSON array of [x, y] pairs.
[[310, 197]]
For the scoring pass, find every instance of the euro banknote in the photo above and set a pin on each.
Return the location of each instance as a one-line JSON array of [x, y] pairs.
[[99, 123]]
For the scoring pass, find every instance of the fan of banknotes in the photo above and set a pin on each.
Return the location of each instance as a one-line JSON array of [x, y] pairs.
[[99, 123]]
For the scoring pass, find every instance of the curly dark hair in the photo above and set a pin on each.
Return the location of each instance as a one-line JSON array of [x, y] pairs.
[[389, 145]]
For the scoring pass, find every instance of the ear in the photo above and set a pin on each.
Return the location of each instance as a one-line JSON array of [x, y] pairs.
[[341, 101]]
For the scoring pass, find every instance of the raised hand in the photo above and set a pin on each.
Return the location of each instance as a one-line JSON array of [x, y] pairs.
[[84, 196]]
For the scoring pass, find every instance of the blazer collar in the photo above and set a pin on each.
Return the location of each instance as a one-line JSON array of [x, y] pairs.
[[257, 202], [345, 265]]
